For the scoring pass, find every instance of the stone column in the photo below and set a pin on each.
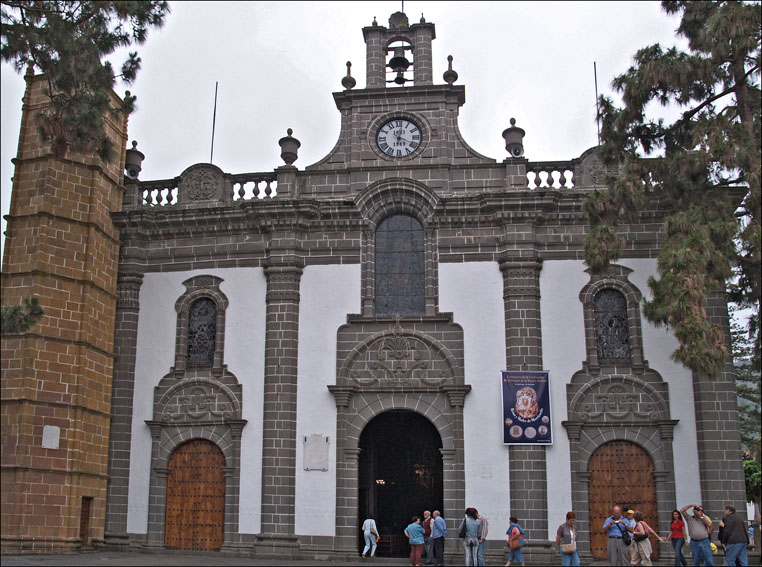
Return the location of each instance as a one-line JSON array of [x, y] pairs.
[[120, 437], [279, 424], [717, 432], [375, 57], [422, 64], [527, 466]]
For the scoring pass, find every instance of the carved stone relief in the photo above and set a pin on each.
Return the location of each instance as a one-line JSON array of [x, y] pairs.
[[197, 400], [399, 356], [201, 182], [592, 171], [392, 354], [627, 399]]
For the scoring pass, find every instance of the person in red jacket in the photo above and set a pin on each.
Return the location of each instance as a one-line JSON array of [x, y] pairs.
[[428, 539]]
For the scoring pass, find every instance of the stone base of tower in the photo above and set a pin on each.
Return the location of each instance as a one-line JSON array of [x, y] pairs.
[[40, 516], [118, 543], [276, 546]]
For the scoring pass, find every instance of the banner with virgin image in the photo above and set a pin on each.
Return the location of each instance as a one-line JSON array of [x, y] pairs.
[[526, 408]]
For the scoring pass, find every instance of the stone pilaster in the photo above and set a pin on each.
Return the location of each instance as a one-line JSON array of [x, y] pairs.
[[717, 431], [375, 57], [523, 333], [423, 73], [279, 423], [122, 393]]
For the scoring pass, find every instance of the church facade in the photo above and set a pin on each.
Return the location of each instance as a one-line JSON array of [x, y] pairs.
[[297, 350]]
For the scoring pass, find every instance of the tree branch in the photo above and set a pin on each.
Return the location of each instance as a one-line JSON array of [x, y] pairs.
[[690, 113]]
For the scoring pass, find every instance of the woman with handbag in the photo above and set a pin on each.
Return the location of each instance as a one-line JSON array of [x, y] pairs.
[[515, 541], [566, 540], [469, 530], [640, 551]]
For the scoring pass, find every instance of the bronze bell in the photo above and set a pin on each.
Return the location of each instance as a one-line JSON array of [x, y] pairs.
[[399, 62]]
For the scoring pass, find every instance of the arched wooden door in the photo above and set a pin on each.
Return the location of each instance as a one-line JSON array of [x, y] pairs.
[[621, 473], [195, 514]]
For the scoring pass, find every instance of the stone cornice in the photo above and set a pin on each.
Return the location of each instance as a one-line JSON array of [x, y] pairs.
[[489, 209], [345, 99]]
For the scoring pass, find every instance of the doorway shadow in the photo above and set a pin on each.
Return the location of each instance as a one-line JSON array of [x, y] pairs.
[[400, 476]]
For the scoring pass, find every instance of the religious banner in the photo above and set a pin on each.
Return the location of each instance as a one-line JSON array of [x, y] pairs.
[[526, 408]]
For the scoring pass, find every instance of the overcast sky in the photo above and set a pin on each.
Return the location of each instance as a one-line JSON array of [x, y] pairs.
[[278, 63]]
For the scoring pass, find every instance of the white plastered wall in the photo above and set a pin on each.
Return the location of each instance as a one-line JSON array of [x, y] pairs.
[[245, 289], [563, 350], [473, 292], [328, 294], [563, 337]]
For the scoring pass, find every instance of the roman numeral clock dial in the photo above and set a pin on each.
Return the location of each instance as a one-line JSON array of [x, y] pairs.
[[399, 137]]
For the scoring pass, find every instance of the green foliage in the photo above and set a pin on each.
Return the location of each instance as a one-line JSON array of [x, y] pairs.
[[748, 386], [20, 318], [706, 173], [752, 469], [67, 41]]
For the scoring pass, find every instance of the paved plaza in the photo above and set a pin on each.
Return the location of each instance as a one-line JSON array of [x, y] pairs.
[[97, 558]]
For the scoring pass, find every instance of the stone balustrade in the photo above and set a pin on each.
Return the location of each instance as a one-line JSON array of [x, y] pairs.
[[247, 186], [550, 174], [199, 184], [205, 185]]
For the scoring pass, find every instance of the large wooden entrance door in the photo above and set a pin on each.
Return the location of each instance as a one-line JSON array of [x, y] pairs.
[[621, 473], [195, 515]]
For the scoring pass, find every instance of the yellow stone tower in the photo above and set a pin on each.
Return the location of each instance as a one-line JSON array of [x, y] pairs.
[[61, 247]]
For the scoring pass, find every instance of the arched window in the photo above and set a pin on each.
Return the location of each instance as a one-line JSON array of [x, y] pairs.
[[400, 281], [202, 333], [611, 335]]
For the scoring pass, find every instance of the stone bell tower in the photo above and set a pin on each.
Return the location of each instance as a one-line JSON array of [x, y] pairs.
[[62, 248], [388, 48]]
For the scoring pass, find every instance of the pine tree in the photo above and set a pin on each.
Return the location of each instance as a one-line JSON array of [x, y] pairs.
[[20, 318], [67, 41], [704, 167], [748, 388]]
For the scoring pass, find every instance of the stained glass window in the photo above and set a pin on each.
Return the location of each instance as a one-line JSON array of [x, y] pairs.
[[202, 333], [611, 334], [400, 274]]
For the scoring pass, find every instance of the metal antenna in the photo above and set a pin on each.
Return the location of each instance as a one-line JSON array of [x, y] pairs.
[[597, 118], [214, 120], [403, 7]]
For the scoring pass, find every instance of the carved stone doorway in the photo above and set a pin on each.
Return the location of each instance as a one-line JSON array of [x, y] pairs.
[[400, 476]]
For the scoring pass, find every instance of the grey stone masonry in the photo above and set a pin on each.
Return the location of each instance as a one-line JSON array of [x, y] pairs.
[[527, 464], [279, 423], [717, 430], [617, 400], [377, 40], [410, 363], [125, 349]]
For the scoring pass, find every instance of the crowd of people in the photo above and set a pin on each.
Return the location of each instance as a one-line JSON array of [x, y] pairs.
[[628, 538]]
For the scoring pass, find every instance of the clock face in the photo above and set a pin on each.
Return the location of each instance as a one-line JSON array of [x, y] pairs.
[[398, 137]]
